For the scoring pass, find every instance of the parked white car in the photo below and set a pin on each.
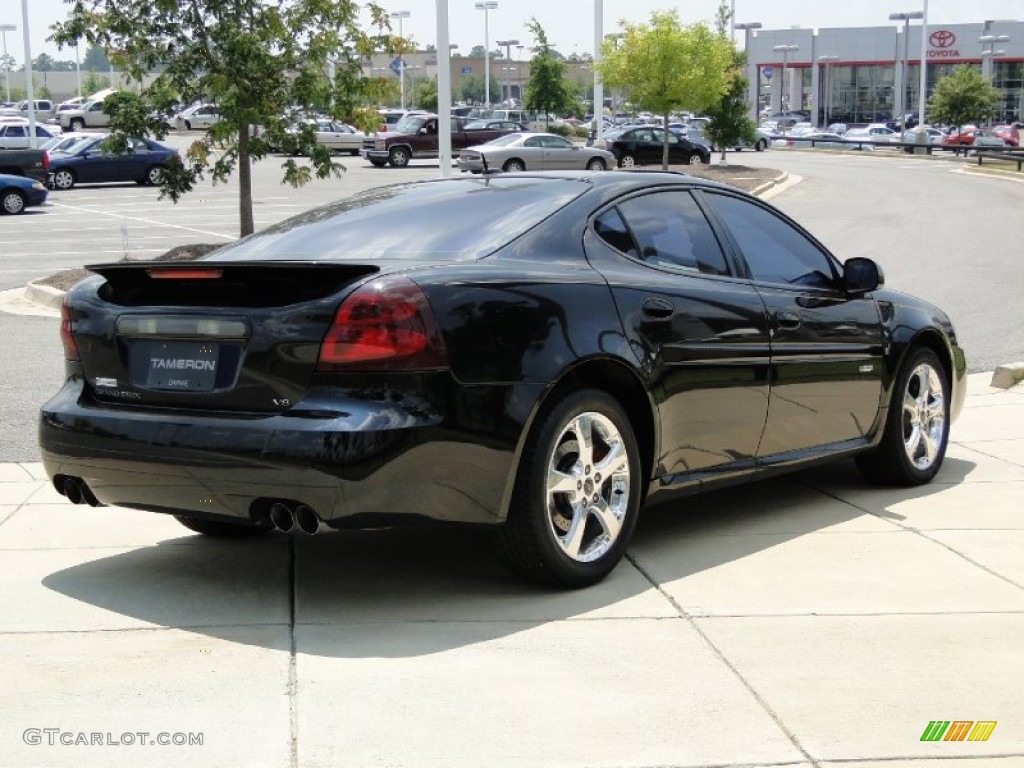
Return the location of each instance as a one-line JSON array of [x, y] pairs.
[[16, 135], [198, 116]]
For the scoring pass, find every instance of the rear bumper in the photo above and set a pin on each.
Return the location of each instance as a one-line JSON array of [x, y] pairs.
[[353, 461]]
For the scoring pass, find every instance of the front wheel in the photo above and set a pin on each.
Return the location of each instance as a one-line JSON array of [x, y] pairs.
[[627, 161], [13, 202], [399, 157], [220, 530], [63, 179], [596, 164], [577, 493], [917, 428], [694, 159], [762, 145]]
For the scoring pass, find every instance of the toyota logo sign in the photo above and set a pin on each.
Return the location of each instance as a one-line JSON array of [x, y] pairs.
[[942, 38]]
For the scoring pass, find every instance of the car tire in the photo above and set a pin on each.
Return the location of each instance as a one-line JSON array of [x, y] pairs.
[[694, 159], [761, 145], [514, 165], [188, 125], [354, 152], [627, 161], [916, 431], [219, 529], [567, 525], [64, 179], [596, 164], [13, 202], [77, 124], [154, 175], [378, 163], [399, 157]]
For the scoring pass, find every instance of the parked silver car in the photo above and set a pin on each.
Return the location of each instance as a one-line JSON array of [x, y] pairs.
[[534, 152]]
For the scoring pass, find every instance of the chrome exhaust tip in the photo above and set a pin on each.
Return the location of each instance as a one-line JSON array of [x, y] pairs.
[[307, 519], [281, 517]]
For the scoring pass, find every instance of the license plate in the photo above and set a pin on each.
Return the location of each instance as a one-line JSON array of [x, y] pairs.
[[182, 365]]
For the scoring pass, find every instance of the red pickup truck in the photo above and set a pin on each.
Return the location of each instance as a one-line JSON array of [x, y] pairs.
[[415, 136]]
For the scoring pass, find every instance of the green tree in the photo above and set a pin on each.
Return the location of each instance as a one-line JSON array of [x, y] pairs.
[[666, 67], [426, 93], [92, 83], [95, 59], [963, 97], [472, 88], [548, 90], [730, 123], [254, 58]]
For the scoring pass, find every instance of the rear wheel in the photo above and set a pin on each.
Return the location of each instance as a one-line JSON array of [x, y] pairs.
[[513, 165], [154, 175], [13, 202], [694, 159], [761, 145], [77, 124], [627, 161], [577, 494], [219, 529], [917, 428], [596, 164], [188, 125], [63, 179], [399, 157]]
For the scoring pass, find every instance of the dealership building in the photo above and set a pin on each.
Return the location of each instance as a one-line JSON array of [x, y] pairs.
[[871, 74]]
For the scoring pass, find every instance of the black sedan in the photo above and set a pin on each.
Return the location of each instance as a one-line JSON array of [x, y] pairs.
[[611, 340], [89, 162], [644, 145]]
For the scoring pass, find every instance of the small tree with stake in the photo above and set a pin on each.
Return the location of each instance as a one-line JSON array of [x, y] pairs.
[[730, 125], [665, 67], [548, 90], [256, 59]]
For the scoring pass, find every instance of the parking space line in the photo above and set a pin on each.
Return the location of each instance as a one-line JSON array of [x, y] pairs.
[[146, 221]]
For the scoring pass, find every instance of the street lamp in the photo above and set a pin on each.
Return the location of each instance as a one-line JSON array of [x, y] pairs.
[[752, 89], [519, 74], [922, 91], [785, 50], [905, 18], [4, 29], [401, 56], [988, 54], [487, 7], [507, 45], [827, 60]]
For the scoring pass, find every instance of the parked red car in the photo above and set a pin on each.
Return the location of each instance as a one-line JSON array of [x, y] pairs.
[[974, 137], [1008, 133]]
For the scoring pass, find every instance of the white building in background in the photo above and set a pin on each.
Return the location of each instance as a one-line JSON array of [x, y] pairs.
[[865, 72]]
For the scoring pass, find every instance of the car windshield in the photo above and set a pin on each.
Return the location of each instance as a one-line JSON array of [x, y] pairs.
[[502, 141], [410, 124], [399, 222]]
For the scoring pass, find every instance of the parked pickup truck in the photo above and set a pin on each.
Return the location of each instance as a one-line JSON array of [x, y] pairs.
[[415, 136], [33, 163]]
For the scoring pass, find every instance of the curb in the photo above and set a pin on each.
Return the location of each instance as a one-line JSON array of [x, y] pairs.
[[1005, 376], [44, 294], [781, 178]]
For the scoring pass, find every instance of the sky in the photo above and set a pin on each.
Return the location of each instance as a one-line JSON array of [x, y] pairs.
[[569, 24]]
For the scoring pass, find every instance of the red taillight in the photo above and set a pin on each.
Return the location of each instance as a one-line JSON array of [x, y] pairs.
[[386, 325], [46, 160], [70, 347], [185, 274]]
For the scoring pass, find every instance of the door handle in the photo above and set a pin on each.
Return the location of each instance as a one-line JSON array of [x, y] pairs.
[[787, 319], [658, 309]]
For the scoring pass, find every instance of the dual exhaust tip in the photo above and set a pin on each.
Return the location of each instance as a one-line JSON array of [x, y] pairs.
[[75, 490], [285, 518]]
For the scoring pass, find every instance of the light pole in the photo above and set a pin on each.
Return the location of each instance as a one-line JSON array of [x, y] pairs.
[[519, 73], [905, 18], [507, 45], [487, 7], [752, 89], [401, 54], [4, 29], [827, 61], [785, 50], [988, 54], [922, 93]]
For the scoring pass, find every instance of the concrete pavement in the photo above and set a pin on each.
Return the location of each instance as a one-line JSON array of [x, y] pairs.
[[809, 621]]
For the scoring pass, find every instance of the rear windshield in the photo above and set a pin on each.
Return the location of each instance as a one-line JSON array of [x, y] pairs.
[[452, 220]]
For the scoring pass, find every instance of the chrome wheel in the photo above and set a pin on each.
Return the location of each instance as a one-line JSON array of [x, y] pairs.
[[13, 202], [154, 175], [399, 157], [627, 161], [513, 166], [597, 164], [924, 417], [587, 487], [63, 179], [693, 160]]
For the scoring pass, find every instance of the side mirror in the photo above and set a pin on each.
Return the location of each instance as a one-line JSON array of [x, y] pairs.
[[862, 276]]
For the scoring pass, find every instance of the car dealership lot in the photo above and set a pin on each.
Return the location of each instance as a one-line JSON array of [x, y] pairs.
[[806, 621]]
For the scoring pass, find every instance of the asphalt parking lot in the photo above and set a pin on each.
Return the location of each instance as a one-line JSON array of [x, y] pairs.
[[808, 621]]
